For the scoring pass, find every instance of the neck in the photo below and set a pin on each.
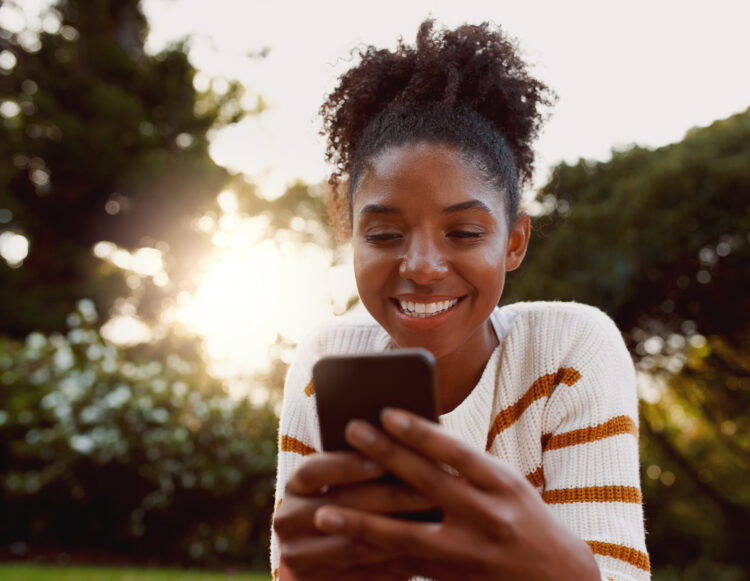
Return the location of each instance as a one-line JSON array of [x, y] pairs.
[[459, 372]]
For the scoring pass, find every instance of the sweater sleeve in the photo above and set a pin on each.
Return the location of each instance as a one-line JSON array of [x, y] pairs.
[[298, 427], [590, 452]]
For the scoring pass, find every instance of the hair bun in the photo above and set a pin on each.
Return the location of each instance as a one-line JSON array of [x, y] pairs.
[[473, 66]]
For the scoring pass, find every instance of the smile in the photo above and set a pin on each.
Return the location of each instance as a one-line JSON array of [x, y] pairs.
[[425, 310]]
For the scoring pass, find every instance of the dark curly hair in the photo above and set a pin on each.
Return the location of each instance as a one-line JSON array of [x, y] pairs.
[[466, 87]]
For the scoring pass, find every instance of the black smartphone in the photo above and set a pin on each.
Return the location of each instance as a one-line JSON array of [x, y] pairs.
[[360, 386]]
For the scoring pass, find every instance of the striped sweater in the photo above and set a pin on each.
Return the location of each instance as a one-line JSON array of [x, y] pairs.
[[556, 401]]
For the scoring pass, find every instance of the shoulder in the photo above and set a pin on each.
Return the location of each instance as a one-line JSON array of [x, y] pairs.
[[564, 323], [548, 336], [582, 342], [550, 312]]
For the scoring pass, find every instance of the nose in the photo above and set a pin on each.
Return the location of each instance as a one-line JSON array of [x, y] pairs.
[[423, 262]]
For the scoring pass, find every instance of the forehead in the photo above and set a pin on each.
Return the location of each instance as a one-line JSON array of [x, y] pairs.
[[424, 173]]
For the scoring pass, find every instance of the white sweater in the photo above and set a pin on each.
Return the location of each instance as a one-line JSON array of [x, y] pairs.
[[556, 402]]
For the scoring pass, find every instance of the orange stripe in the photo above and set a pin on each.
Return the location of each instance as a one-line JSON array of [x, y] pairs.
[[275, 574], [542, 387], [276, 507], [613, 427], [593, 494], [635, 558], [536, 477], [289, 444], [310, 389]]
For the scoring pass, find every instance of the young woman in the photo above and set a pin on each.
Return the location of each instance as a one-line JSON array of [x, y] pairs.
[[535, 462]]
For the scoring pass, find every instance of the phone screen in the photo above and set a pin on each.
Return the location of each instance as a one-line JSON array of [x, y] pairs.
[[360, 386]]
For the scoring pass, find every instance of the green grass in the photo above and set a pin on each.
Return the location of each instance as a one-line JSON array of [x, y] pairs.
[[61, 573]]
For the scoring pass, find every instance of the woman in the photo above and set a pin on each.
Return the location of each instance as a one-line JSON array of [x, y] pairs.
[[535, 463]]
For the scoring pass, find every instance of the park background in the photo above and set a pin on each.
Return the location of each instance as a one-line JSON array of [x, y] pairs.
[[164, 246]]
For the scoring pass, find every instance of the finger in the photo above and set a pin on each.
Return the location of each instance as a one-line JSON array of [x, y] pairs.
[[449, 492], [402, 568], [358, 574], [377, 572], [294, 517], [327, 469], [393, 538], [432, 441], [312, 555], [457, 497], [373, 573], [379, 497]]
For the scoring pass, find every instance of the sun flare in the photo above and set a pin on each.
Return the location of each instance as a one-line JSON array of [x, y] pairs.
[[261, 288]]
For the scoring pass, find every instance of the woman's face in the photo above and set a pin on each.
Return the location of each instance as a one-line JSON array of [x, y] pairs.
[[431, 247]]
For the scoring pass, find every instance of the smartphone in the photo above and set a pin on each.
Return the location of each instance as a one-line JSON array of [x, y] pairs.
[[360, 386]]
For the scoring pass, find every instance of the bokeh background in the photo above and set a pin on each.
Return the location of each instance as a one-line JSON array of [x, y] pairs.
[[164, 246]]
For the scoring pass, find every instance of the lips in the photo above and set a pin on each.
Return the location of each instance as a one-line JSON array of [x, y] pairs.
[[422, 313], [425, 308]]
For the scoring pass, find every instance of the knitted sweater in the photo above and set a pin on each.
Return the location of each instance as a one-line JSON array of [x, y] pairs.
[[556, 402]]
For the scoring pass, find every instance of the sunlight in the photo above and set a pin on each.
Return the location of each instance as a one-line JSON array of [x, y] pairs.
[[258, 290], [125, 330], [14, 248]]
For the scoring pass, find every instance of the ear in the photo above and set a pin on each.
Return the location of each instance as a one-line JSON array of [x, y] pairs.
[[518, 241]]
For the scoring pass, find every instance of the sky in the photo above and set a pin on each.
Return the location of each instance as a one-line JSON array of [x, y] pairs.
[[625, 72]]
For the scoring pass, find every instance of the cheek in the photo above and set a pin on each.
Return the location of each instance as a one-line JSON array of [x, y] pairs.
[[370, 270], [487, 268]]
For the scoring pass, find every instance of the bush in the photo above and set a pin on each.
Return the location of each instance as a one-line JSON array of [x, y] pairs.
[[137, 452]]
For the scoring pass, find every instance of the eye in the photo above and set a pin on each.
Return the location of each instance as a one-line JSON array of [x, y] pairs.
[[381, 237], [465, 235]]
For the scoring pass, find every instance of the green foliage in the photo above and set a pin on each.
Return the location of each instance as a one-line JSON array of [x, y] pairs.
[[661, 241], [130, 452], [653, 237], [702, 571], [47, 573], [108, 143]]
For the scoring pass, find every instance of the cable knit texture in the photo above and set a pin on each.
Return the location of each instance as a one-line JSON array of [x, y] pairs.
[[556, 402]]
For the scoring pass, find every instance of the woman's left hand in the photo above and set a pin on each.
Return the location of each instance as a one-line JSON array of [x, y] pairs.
[[495, 524]]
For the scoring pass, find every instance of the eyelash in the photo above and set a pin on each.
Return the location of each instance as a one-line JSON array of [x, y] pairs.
[[465, 234], [459, 234], [381, 237]]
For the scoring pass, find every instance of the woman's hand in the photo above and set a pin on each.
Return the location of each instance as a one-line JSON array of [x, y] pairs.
[[344, 479], [495, 525]]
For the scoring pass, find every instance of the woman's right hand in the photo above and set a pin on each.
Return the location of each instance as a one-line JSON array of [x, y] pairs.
[[345, 479]]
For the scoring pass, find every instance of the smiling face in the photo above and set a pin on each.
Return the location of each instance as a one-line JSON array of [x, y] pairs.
[[431, 248]]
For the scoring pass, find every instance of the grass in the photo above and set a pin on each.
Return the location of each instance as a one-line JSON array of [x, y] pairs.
[[62, 573]]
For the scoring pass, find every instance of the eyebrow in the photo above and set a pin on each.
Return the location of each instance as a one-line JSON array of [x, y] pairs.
[[379, 209], [468, 205]]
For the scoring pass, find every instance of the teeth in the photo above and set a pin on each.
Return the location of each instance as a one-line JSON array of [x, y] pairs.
[[422, 310]]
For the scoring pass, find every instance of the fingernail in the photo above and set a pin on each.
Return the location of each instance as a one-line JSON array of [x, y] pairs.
[[396, 420], [328, 521], [361, 433]]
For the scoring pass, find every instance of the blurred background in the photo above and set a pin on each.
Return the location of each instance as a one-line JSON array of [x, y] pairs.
[[164, 246]]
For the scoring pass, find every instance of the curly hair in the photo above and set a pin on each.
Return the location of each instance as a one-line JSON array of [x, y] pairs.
[[467, 87]]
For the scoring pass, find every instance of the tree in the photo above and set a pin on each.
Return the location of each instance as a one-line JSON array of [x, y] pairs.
[[99, 141], [659, 240]]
